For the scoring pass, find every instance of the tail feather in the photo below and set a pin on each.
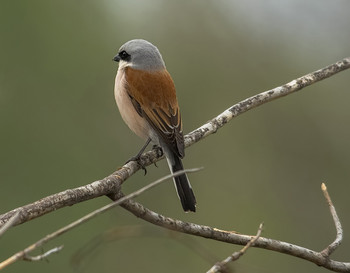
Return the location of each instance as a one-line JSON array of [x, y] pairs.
[[183, 186]]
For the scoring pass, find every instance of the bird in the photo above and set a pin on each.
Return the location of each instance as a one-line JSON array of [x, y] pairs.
[[146, 97]]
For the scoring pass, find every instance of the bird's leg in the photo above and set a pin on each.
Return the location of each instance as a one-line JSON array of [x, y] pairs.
[[138, 156]]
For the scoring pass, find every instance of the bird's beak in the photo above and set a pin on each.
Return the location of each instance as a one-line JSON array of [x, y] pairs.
[[116, 58]]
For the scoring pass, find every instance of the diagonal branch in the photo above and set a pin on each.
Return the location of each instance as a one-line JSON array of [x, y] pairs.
[[221, 266], [333, 246], [233, 238], [24, 253], [111, 184], [264, 97]]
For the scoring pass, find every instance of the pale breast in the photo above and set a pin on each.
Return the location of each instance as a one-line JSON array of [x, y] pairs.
[[135, 122]]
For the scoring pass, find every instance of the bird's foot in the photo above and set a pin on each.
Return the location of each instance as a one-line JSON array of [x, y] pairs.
[[137, 159]]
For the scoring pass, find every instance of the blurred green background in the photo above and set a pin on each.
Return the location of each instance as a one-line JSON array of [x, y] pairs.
[[60, 128]]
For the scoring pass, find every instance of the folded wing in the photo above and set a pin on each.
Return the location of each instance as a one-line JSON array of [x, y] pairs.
[[154, 97]]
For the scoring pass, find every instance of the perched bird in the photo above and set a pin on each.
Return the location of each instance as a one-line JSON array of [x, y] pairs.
[[146, 98]]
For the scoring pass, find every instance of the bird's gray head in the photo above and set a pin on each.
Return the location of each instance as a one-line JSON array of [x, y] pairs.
[[140, 54]]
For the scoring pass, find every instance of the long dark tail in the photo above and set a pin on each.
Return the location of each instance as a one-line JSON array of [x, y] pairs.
[[182, 184]]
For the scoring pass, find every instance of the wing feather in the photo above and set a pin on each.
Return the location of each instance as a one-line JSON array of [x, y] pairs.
[[154, 97]]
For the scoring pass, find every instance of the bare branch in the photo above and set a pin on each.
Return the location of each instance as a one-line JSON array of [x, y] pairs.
[[233, 238], [24, 253], [220, 267], [264, 97], [11, 222], [111, 184], [43, 256], [333, 246]]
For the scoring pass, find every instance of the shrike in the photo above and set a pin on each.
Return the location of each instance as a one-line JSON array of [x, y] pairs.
[[146, 98]]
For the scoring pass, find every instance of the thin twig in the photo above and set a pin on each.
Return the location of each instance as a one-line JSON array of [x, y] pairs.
[[339, 237], [43, 256], [22, 254], [220, 266], [111, 184], [11, 222]]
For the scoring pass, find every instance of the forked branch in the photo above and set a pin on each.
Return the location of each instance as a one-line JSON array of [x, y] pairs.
[[221, 266], [110, 186], [318, 258], [24, 254], [339, 238]]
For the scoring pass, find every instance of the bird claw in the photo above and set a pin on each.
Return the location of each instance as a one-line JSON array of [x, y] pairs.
[[143, 168], [138, 161]]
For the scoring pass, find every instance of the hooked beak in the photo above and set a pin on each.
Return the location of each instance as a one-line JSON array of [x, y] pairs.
[[116, 58]]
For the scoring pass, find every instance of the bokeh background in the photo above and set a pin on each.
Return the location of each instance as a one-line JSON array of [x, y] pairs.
[[60, 128]]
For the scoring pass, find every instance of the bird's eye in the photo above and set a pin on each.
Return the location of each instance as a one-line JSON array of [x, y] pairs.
[[124, 55]]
